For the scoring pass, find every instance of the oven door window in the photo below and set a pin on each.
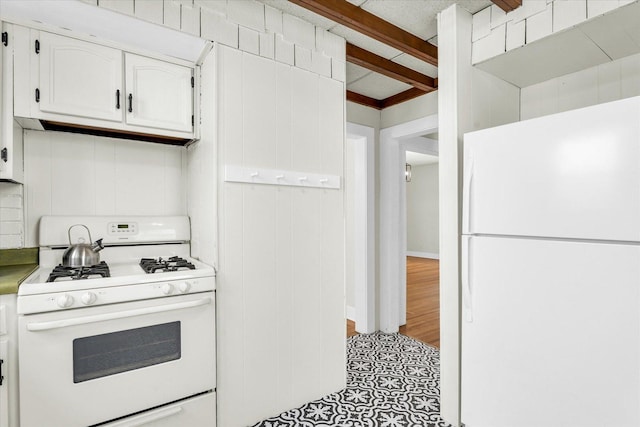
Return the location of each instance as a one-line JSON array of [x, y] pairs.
[[108, 354]]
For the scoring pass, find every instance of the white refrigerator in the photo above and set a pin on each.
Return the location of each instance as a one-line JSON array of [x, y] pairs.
[[551, 271]]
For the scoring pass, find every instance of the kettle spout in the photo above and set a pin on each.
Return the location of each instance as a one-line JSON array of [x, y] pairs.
[[97, 246]]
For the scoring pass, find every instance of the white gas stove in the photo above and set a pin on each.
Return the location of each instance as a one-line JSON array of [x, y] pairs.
[[162, 242], [116, 331]]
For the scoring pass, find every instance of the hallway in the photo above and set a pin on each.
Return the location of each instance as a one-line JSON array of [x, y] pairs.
[[423, 301]]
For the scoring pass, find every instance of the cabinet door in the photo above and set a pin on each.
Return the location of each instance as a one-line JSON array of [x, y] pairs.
[[159, 94], [79, 78], [11, 167]]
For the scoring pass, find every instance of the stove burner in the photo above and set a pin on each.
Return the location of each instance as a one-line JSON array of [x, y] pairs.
[[75, 273], [152, 265]]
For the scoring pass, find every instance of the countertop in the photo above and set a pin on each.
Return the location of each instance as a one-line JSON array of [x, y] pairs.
[[15, 266]]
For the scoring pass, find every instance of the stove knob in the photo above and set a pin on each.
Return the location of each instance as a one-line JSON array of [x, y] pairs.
[[167, 289], [88, 298], [184, 287], [64, 301]]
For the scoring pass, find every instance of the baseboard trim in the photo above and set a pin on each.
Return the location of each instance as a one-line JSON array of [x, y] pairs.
[[423, 254], [351, 313]]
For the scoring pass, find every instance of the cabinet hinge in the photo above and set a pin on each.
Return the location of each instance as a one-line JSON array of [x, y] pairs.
[[193, 120], [193, 82], [5, 38], [1, 377], [4, 155], [37, 46], [37, 95]]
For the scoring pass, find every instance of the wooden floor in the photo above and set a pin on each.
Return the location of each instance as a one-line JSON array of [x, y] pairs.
[[423, 301]]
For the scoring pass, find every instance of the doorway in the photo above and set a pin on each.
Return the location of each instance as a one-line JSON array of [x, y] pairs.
[[422, 250], [395, 141], [360, 226]]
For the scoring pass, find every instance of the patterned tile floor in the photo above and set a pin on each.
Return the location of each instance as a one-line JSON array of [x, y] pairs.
[[392, 381]]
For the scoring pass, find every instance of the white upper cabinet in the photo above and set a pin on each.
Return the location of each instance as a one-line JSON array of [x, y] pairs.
[[81, 85], [11, 168], [78, 78], [159, 94]]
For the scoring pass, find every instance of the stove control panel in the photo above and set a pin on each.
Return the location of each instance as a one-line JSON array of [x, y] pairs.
[[86, 298], [122, 229]]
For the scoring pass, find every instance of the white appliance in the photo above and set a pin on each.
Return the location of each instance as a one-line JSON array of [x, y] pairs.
[[551, 271], [115, 345]]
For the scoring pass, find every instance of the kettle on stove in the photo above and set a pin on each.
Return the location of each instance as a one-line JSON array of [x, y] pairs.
[[82, 254]]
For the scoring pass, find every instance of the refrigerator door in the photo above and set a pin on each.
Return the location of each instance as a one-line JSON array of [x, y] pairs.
[[570, 175], [551, 335]]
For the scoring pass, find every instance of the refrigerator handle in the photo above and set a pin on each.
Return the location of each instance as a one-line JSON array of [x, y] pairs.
[[467, 197], [467, 305]]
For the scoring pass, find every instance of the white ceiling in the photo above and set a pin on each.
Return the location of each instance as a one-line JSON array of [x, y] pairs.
[[418, 17]]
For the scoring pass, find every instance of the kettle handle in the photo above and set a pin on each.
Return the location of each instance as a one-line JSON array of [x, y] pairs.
[[81, 225]]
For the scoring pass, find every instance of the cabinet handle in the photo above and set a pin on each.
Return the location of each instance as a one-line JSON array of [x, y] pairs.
[[118, 99], [131, 103], [4, 155], [5, 38], [1, 377]]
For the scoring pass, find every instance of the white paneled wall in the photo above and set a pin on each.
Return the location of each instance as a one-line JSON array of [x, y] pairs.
[[607, 82], [247, 25], [74, 174], [496, 32], [281, 308], [11, 216]]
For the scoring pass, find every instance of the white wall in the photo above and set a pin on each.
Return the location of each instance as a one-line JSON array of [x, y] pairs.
[[423, 231], [607, 82], [350, 221], [469, 99], [496, 32], [73, 174], [366, 116], [11, 216], [281, 330], [422, 106]]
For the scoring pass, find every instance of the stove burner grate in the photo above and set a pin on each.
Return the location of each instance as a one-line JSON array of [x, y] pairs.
[[152, 265], [76, 273]]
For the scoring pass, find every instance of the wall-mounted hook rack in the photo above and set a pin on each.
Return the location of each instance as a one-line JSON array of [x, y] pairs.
[[280, 177]]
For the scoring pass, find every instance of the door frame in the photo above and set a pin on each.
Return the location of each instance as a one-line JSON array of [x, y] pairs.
[[364, 230], [394, 142]]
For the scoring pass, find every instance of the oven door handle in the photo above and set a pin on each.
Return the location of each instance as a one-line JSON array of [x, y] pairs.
[[57, 324]]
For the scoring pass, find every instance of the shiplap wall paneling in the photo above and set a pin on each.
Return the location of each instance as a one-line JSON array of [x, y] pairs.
[[259, 235], [331, 118], [150, 10], [280, 310], [230, 289], [74, 174], [610, 81]]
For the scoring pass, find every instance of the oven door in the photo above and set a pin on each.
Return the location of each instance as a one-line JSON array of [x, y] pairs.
[[87, 366]]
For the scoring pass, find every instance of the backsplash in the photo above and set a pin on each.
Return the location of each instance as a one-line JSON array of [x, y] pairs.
[[11, 216], [74, 174]]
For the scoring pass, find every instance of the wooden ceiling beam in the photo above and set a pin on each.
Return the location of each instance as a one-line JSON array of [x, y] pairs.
[[398, 98], [364, 100], [508, 5], [349, 15], [381, 104], [373, 62]]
